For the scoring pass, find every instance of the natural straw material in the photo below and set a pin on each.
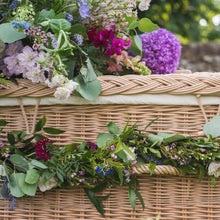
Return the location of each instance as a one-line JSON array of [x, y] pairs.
[[168, 192]]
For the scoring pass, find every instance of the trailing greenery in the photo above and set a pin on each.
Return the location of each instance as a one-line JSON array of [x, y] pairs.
[[32, 161]]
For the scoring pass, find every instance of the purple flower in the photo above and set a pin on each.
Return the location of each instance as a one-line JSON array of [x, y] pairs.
[[83, 9], [167, 148], [13, 5], [54, 43], [2, 144], [79, 39], [69, 17], [203, 150], [92, 145], [4, 14], [112, 147], [161, 51]]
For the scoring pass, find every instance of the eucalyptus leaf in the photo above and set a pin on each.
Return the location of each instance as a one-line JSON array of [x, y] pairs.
[[13, 185], [91, 75], [28, 189], [4, 192], [9, 35], [113, 128], [103, 138], [212, 127], [155, 139], [89, 90], [174, 138], [19, 161], [32, 176]]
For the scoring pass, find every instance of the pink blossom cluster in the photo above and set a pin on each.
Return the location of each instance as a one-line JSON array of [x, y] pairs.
[[40, 37], [102, 13], [106, 38], [24, 60]]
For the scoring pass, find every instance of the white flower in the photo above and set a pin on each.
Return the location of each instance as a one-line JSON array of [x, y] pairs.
[[48, 185], [214, 169], [71, 85], [2, 171], [144, 5], [62, 93], [58, 80]]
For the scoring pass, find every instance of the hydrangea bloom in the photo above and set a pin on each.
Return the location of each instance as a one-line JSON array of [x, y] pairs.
[[161, 51], [41, 149], [214, 169]]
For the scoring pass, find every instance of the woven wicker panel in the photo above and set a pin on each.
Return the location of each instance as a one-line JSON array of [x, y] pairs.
[[88, 120], [175, 198], [197, 83]]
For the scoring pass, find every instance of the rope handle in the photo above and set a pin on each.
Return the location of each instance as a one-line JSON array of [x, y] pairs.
[[201, 133], [25, 115]]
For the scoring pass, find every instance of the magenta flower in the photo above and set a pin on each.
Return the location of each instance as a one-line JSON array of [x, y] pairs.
[[92, 145], [103, 37], [115, 47], [127, 43], [41, 149]]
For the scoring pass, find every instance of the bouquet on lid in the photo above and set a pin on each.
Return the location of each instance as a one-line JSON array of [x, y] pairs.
[[67, 44]]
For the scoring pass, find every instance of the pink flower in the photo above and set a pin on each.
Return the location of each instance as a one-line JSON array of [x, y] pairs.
[[103, 37], [41, 149], [92, 145], [127, 43], [115, 47]]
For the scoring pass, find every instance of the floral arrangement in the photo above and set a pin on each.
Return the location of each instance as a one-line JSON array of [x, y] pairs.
[[32, 161], [68, 43]]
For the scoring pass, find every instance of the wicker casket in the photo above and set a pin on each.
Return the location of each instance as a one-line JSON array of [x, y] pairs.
[[182, 102]]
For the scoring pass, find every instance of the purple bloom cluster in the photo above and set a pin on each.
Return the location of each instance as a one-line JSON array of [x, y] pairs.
[[161, 51], [14, 5], [69, 17], [12, 205]]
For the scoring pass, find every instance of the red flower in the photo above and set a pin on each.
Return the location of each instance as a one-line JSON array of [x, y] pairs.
[[41, 149]]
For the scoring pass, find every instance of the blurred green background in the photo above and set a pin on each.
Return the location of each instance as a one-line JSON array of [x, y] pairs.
[[190, 20]]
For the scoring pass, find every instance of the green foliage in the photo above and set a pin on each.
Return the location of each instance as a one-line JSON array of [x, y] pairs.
[[212, 128], [183, 17]]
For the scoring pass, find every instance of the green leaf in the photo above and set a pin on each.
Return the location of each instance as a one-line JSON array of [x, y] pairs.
[[11, 139], [78, 29], [94, 200], [101, 198], [146, 25], [202, 173], [8, 34], [6, 171], [88, 90], [82, 146], [133, 25], [28, 189], [149, 124], [155, 152], [174, 138], [120, 174], [132, 197], [138, 42], [113, 128], [126, 149], [40, 124], [140, 198], [152, 168], [20, 162], [14, 186], [50, 130], [38, 164], [59, 24], [91, 75], [103, 138], [32, 176], [122, 155], [212, 127], [155, 139], [213, 180], [100, 187], [3, 122], [4, 192], [46, 15]]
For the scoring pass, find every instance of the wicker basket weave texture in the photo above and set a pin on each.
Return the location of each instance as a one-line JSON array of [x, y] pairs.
[[174, 198]]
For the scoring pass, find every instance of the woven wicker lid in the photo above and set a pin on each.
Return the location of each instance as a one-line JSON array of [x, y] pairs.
[[178, 83]]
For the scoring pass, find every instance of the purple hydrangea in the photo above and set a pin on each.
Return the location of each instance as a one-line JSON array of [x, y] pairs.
[[161, 51]]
